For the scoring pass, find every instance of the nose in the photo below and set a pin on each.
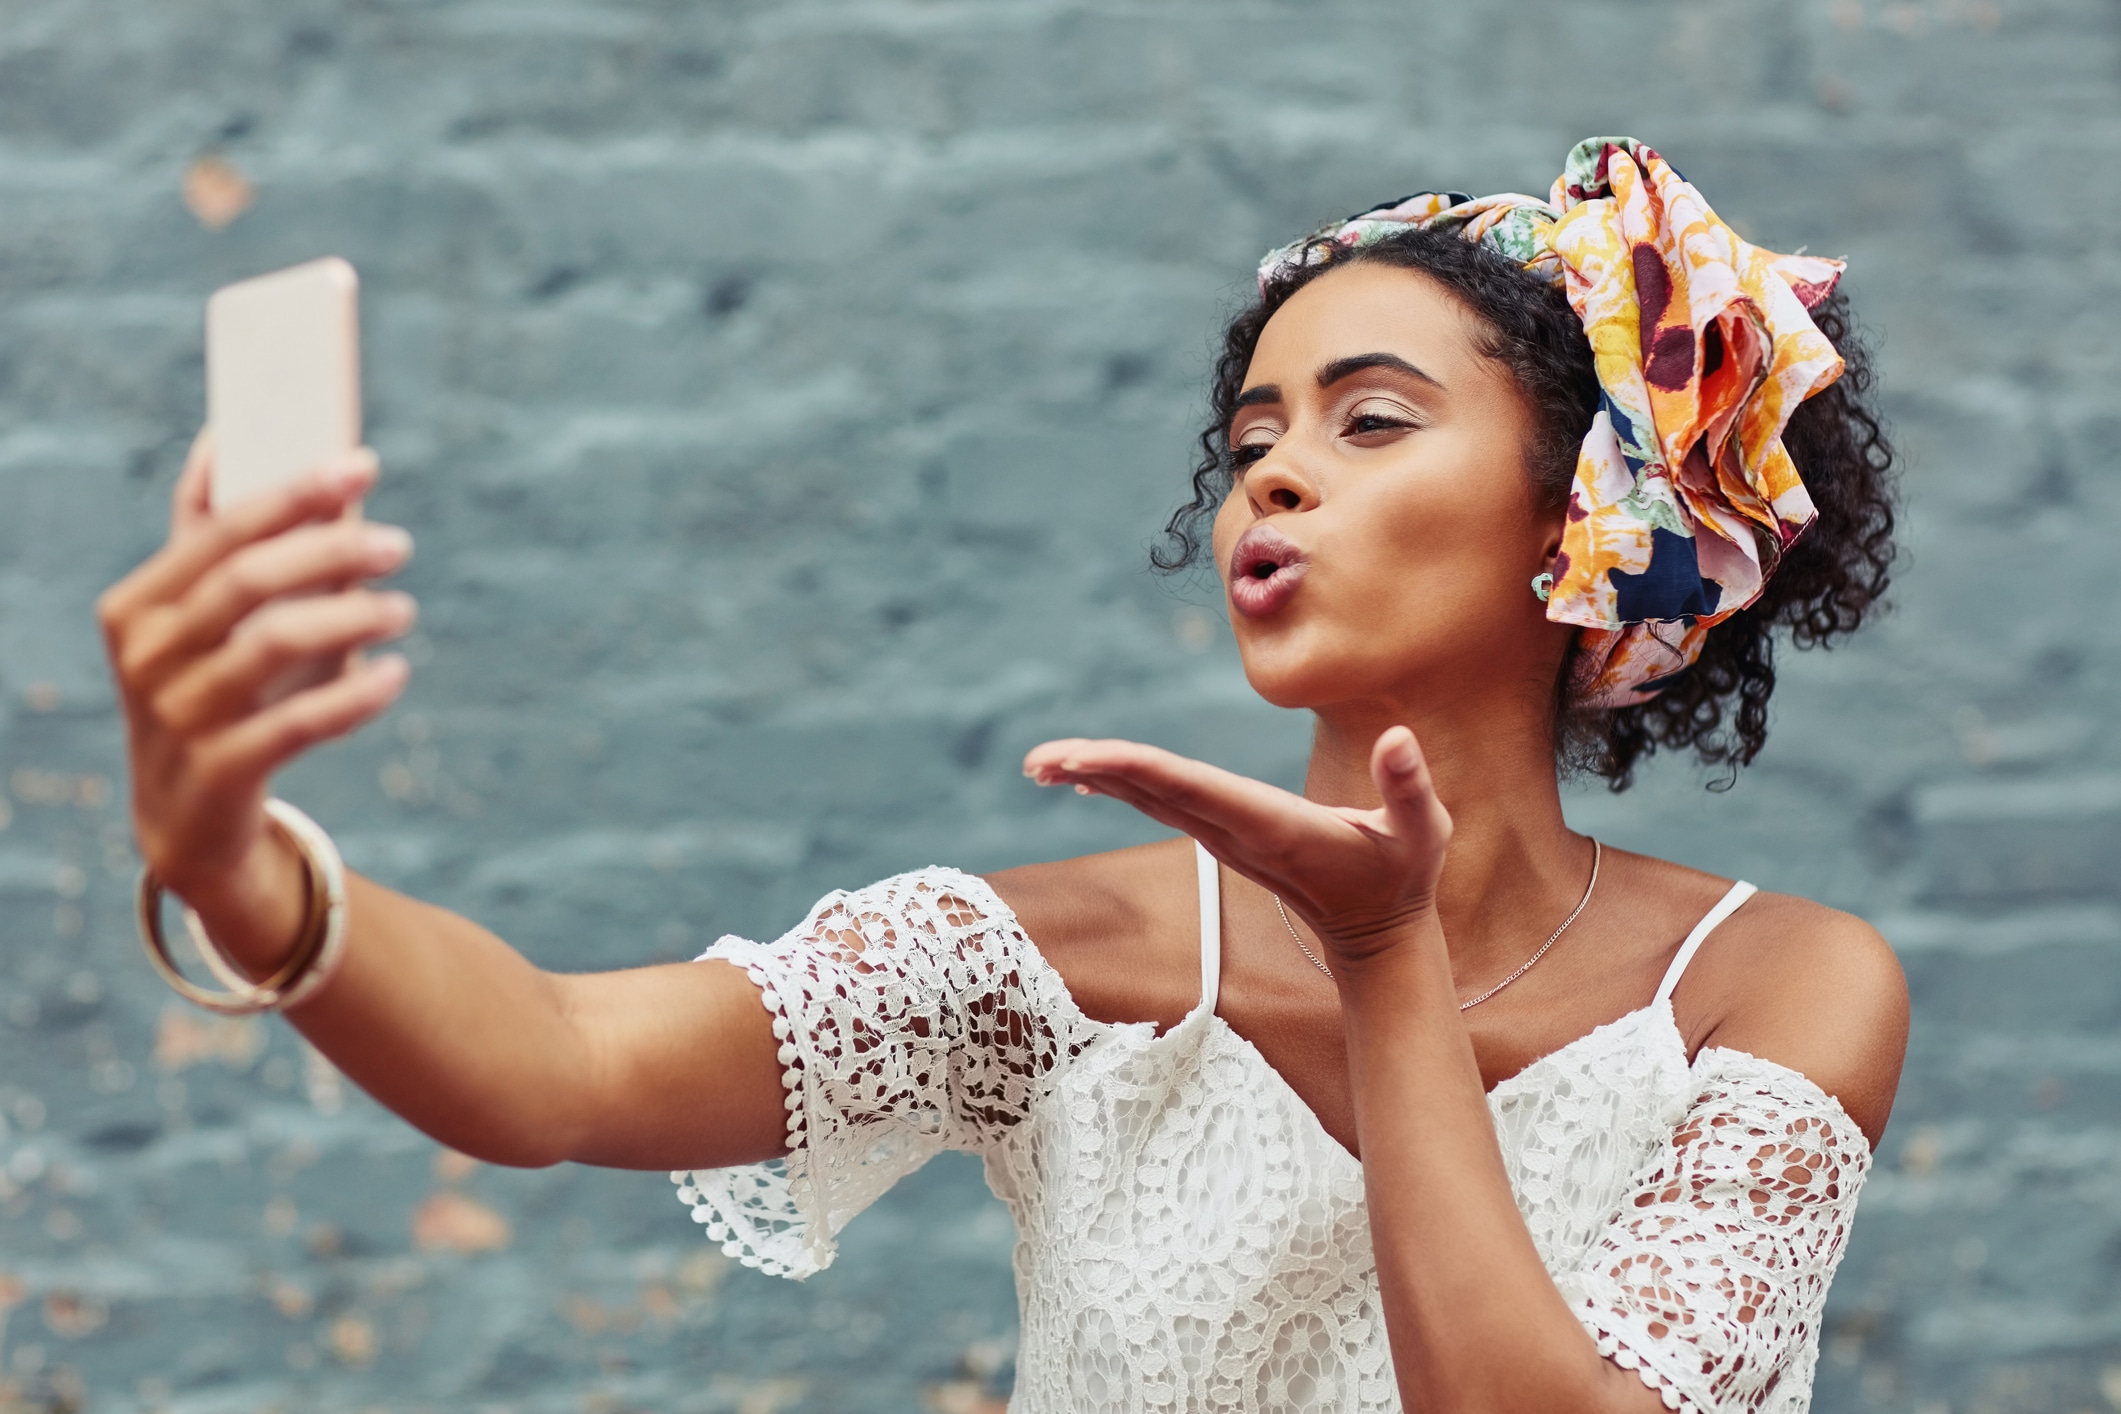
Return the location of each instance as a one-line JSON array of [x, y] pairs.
[[1276, 482]]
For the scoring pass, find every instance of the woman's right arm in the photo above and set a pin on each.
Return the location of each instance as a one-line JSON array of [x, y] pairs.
[[671, 1067]]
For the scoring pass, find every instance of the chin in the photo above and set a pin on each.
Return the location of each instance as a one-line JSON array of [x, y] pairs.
[[1302, 668], [1294, 671]]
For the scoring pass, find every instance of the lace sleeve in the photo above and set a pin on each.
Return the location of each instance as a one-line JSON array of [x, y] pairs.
[[913, 1017], [1710, 1279]]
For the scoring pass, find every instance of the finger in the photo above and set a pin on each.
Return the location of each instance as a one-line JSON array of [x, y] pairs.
[[1062, 762], [259, 745], [197, 543], [235, 680], [1306, 863], [1208, 793], [321, 494], [315, 558], [1119, 788], [1401, 772], [1269, 835], [192, 500], [308, 559], [1192, 790]]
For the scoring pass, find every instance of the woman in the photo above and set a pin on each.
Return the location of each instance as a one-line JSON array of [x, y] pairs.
[[1499, 489]]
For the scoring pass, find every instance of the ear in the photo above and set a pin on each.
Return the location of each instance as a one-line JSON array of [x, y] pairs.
[[1554, 526]]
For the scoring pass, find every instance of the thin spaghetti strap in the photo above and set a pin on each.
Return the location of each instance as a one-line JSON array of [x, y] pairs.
[[1211, 926], [1725, 907]]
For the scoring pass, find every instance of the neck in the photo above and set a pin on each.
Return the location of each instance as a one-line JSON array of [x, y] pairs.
[[1513, 856]]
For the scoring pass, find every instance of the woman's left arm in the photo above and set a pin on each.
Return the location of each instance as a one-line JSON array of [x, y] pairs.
[[1476, 1322]]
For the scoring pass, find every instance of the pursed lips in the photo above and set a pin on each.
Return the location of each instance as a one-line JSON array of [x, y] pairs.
[[1265, 568]]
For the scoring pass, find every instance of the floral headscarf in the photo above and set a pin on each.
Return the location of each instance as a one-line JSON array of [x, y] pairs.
[[1684, 499]]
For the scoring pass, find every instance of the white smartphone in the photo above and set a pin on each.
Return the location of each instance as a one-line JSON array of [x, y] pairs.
[[283, 375]]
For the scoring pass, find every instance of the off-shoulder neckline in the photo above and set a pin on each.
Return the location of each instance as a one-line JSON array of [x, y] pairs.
[[1809, 1090]]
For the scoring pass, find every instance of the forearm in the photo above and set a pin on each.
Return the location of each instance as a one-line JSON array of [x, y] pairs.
[[431, 1014], [1476, 1323], [670, 1067]]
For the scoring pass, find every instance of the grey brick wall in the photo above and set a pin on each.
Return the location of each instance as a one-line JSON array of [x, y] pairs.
[[783, 396]]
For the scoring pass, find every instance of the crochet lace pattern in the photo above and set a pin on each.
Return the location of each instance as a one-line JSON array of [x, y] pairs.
[[1190, 1238]]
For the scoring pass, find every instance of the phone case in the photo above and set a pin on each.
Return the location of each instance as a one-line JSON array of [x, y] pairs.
[[283, 375]]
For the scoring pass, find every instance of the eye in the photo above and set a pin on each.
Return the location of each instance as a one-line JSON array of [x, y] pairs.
[[1371, 419], [1257, 444], [1374, 422]]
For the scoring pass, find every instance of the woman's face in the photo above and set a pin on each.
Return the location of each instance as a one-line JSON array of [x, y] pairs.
[[1382, 534]]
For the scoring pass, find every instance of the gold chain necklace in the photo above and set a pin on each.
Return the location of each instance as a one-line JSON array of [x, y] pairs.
[[1597, 853]]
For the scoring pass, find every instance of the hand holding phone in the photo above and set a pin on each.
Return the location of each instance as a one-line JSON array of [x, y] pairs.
[[237, 647]]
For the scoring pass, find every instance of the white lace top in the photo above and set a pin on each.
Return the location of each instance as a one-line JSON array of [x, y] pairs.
[[1191, 1239]]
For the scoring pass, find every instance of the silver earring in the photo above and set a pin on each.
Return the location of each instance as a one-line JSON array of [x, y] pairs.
[[1542, 586]]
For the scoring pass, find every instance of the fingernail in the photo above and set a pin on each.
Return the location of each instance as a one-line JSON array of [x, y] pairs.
[[390, 540], [1071, 765], [1401, 757], [401, 607], [355, 469]]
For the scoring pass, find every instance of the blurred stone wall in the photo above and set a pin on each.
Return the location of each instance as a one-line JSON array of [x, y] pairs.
[[783, 396]]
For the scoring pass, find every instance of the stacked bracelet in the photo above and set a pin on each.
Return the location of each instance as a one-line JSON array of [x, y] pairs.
[[319, 944]]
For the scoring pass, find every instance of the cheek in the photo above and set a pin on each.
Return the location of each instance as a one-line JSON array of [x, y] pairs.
[[1444, 539], [1228, 525]]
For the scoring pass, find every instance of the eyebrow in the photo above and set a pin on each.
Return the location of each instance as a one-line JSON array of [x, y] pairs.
[[1338, 369], [1341, 368]]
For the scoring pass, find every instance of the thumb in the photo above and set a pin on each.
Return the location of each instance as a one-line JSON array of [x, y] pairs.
[[191, 502], [1402, 776]]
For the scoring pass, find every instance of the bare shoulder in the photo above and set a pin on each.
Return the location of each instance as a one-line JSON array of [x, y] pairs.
[[1121, 928], [1808, 987], [1105, 895]]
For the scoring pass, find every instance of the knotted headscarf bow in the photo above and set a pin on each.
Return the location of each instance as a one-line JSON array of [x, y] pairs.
[[1684, 499]]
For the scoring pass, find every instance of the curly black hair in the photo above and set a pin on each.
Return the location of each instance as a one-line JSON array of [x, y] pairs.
[[1827, 584]]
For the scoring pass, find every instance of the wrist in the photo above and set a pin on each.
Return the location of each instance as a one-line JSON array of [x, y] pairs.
[[1386, 946], [255, 912]]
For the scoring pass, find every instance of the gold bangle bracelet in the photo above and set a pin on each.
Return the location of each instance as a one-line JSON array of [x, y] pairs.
[[319, 943]]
